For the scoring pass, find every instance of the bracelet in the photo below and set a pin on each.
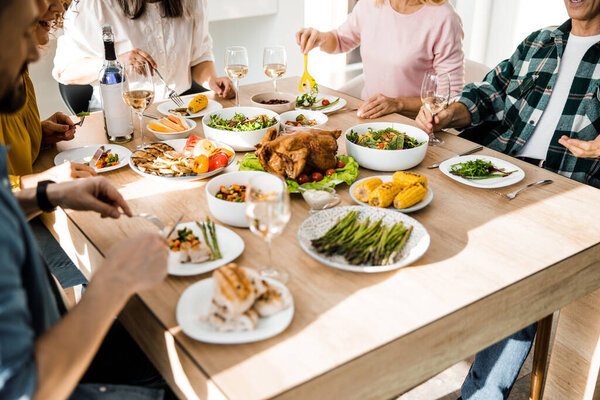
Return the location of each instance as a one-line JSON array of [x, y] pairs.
[[41, 196]]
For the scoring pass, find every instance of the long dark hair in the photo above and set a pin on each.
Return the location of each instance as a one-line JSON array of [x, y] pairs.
[[135, 8]]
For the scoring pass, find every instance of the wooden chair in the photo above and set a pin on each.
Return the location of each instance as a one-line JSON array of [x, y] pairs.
[[540, 356]]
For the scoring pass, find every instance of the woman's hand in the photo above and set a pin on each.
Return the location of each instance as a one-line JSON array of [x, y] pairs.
[[65, 172], [378, 106], [308, 39], [223, 87], [137, 56], [582, 148], [57, 128]]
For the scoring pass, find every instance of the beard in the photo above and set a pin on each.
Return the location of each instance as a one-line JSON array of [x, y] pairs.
[[13, 98]]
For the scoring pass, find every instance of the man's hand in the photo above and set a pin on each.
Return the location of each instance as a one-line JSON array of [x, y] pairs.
[[138, 56], [93, 194], [379, 105], [57, 128], [582, 148], [223, 87], [429, 124], [68, 171]]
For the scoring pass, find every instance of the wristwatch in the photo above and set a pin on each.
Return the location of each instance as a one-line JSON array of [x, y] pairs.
[[41, 196]]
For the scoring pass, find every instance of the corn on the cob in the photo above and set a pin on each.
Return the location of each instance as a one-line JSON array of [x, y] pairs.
[[364, 189], [384, 194], [198, 104], [406, 179], [410, 196]]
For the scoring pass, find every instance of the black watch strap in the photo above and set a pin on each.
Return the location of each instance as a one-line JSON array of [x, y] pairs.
[[41, 196]]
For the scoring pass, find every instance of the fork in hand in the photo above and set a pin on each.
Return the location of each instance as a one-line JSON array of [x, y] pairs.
[[172, 94]]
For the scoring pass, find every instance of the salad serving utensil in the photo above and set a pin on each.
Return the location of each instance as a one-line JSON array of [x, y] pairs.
[[172, 94], [514, 194], [307, 81], [466, 153]]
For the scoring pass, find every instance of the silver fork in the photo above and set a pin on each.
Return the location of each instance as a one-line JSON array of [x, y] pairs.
[[172, 94], [152, 218], [514, 194]]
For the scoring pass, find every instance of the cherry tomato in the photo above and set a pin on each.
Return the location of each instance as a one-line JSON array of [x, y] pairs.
[[330, 172], [340, 164], [302, 179], [381, 145], [201, 164], [325, 102], [217, 160], [317, 176]]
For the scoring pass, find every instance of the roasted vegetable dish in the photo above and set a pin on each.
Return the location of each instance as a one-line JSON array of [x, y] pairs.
[[234, 193]]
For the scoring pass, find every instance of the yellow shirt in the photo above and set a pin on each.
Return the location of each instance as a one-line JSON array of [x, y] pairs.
[[21, 132]]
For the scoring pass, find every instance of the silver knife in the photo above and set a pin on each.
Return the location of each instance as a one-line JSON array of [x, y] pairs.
[[148, 115], [466, 153], [174, 226], [96, 156]]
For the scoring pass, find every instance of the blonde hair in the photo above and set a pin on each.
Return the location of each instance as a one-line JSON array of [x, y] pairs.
[[429, 2]]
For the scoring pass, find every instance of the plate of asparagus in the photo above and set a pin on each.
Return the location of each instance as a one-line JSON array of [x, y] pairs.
[[362, 239]]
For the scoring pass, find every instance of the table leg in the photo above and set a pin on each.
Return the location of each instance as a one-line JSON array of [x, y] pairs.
[[540, 356]]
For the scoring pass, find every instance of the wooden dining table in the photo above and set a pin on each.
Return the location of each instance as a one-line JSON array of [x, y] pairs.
[[493, 267]]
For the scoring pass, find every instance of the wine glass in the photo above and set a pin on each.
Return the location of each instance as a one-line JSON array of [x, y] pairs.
[[274, 63], [138, 90], [268, 212], [236, 66], [435, 94]]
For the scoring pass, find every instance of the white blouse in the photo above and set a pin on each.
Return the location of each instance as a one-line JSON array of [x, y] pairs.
[[176, 44]]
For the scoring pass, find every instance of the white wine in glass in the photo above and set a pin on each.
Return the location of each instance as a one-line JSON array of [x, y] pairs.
[[275, 63], [138, 90], [435, 94], [268, 212], [236, 67]]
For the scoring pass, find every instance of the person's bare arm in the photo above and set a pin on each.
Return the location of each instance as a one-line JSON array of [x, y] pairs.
[[456, 115], [81, 72], [206, 74], [309, 38], [380, 105]]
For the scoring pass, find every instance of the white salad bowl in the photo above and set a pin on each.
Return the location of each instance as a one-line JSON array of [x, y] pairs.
[[319, 117], [243, 140], [174, 135], [228, 212], [387, 160]]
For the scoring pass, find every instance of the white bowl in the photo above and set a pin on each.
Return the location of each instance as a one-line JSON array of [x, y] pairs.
[[387, 160], [320, 118], [174, 135], [228, 212], [240, 141], [278, 108]]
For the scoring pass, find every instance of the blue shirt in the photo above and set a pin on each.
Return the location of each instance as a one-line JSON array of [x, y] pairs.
[[28, 307]]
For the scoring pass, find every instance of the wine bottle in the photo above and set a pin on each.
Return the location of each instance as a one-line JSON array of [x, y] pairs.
[[118, 124]]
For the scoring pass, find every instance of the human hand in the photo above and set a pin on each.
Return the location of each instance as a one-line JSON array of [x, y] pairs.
[[68, 171], [582, 148], [57, 128], [93, 194], [138, 56], [427, 122], [378, 106], [308, 39], [223, 87]]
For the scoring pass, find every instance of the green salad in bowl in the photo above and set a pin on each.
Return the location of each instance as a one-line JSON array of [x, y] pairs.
[[384, 139], [239, 122]]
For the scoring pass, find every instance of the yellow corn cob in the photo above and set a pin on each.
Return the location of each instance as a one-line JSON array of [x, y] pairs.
[[198, 104], [384, 194], [364, 189], [410, 196], [406, 179]]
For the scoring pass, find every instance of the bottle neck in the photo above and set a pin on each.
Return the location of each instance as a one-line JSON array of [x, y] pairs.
[[109, 51]]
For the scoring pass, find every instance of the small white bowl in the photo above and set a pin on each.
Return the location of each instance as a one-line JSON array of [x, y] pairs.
[[174, 135], [278, 108], [319, 117], [240, 141], [387, 160], [228, 212]]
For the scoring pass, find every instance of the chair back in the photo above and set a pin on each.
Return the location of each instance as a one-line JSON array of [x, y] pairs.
[[76, 97]]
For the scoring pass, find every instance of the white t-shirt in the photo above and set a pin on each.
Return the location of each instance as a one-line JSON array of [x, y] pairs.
[[537, 145]]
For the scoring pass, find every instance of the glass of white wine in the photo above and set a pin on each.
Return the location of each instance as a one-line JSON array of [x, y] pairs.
[[435, 94], [268, 212], [236, 67], [275, 63], [138, 90]]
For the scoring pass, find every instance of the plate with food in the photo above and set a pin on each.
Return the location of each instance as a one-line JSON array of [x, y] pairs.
[[482, 171], [197, 106], [274, 101], [113, 157], [182, 159], [363, 239], [171, 127], [199, 247], [304, 157], [324, 103], [404, 191], [302, 118], [236, 305]]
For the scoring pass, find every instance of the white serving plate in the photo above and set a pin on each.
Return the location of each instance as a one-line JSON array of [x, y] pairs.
[[388, 178], [319, 223], [320, 118], [164, 108], [387, 160], [84, 154], [174, 135], [193, 306], [230, 244], [492, 183], [178, 145], [320, 97]]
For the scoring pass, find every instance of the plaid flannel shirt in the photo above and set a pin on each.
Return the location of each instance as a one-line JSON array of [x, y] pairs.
[[515, 93]]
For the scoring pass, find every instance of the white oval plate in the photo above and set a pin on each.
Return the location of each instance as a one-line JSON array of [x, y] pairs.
[[491, 183], [230, 244], [164, 108], [84, 154], [388, 178], [193, 306], [320, 97], [178, 145], [318, 224]]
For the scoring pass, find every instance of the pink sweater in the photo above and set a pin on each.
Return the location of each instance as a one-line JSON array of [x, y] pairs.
[[397, 49]]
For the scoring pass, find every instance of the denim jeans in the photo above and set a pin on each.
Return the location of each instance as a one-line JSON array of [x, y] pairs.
[[496, 368]]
